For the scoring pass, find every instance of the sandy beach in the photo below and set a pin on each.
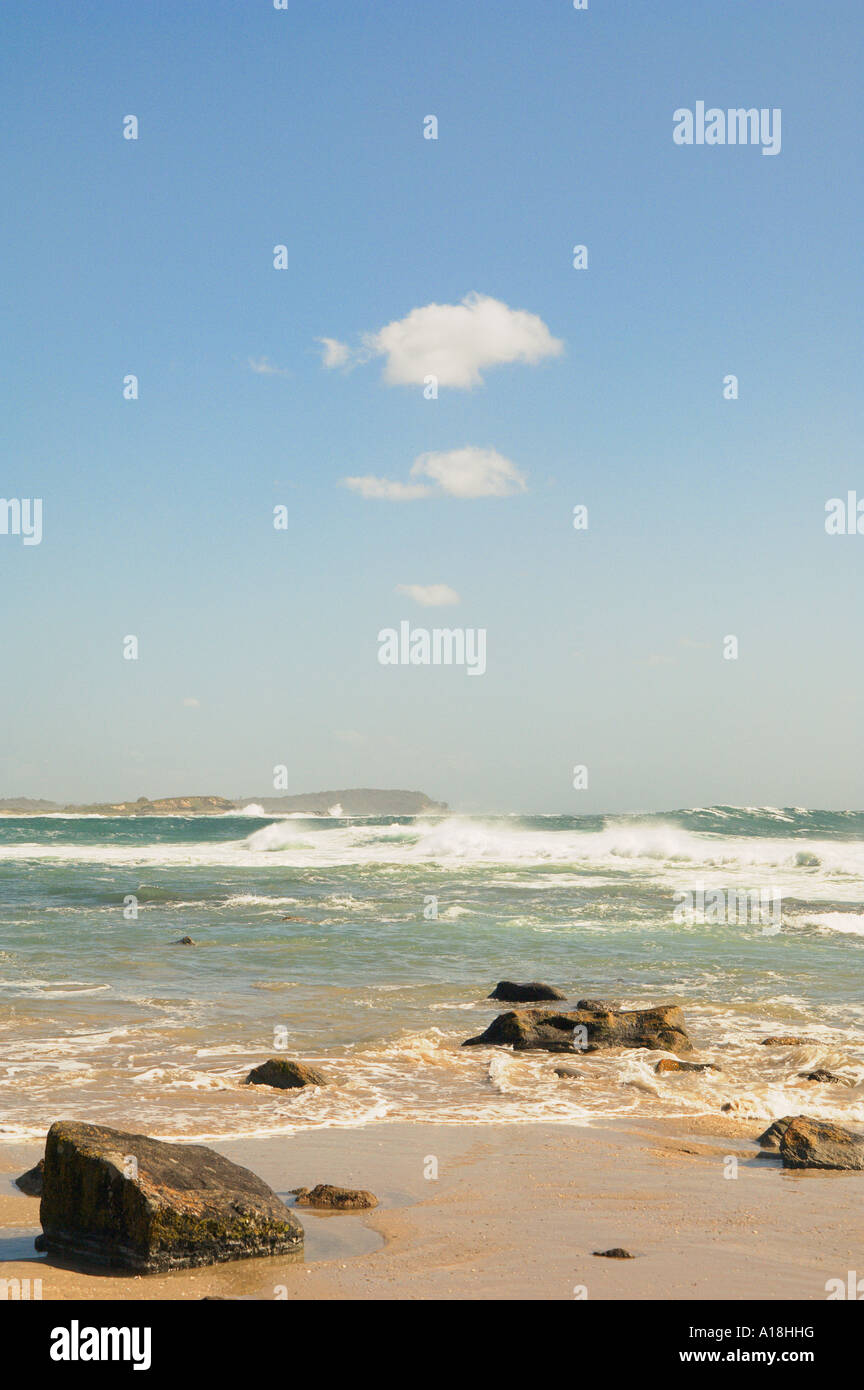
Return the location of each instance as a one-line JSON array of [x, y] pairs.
[[515, 1213]]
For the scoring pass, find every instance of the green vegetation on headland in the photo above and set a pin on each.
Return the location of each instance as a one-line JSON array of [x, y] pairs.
[[359, 801]]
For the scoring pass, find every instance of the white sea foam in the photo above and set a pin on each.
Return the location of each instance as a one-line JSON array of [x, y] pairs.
[[258, 900], [663, 853], [850, 923]]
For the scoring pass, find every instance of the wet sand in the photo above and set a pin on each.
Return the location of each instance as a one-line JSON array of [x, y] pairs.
[[514, 1212]]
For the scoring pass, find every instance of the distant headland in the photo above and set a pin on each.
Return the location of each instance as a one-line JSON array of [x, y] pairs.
[[356, 801]]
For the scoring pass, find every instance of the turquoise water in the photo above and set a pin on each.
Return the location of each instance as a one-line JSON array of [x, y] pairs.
[[102, 1018]]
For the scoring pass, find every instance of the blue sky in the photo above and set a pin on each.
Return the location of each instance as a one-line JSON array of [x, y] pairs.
[[304, 127]]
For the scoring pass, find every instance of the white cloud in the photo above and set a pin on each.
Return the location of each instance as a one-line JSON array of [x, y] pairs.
[[453, 342], [470, 472], [335, 354], [430, 595], [191, 703], [463, 473], [386, 489], [264, 367]]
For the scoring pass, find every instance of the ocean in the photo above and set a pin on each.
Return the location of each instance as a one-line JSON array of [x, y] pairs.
[[367, 947]]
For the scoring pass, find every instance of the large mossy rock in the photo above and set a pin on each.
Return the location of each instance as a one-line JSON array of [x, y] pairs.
[[132, 1202], [528, 1030], [807, 1143], [285, 1075]]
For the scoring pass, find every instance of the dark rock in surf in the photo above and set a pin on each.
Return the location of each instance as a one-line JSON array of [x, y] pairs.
[[30, 1182], [827, 1078], [335, 1198], [671, 1064], [785, 1040], [808, 1143], [598, 1006], [131, 1202], [285, 1075], [569, 1073], [510, 993], [583, 1030], [184, 941]]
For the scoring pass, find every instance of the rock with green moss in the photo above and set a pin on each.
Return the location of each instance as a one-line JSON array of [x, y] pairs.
[[131, 1202], [285, 1075]]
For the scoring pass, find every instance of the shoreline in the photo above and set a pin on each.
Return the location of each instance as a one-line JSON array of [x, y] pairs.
[[514, 1213]]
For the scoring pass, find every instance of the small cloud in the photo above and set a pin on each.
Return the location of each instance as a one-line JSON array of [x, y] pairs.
[[191, 703], [430, 595], [351, 736], [453, 342], [464, 473], [264, 367], [696, 646], [388, 490], [471, 472], [335, 354]]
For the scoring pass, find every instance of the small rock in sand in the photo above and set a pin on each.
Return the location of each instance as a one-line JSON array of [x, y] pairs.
[[30, 1182], [335, 1198], [616, 1253], [770, 1138]]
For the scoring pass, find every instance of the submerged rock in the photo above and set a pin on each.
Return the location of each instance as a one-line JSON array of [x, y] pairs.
[[184, 941], [30, 1182], [569, 1073], [770, 1138], [785, 1040], [660, 1029], [511, 993], [284, 1075], [131, 1202], [828, 1078], [807, 1143], [616, 1253], [335, 1198], [601, 1006], [671, 1064]]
